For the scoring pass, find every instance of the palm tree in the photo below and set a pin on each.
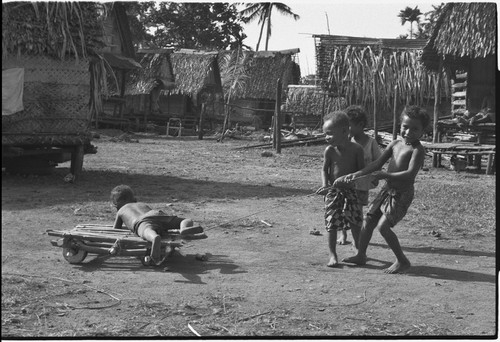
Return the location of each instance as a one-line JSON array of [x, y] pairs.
[[262, 11], [411, 15]]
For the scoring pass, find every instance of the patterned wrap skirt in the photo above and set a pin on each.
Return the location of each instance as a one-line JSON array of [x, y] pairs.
[[392, 203], [342, 209]]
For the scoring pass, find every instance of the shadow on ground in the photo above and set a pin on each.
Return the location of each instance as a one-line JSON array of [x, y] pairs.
[[183, 264], [96, 186], [438, 250]]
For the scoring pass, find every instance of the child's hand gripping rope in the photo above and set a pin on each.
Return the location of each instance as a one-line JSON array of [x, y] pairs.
[[340, 183]]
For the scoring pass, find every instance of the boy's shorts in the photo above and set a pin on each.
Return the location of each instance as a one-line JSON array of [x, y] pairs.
[[392, 203], [342, 209], [158, 221]]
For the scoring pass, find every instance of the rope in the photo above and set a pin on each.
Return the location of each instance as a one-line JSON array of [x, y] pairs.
[[267, 209]]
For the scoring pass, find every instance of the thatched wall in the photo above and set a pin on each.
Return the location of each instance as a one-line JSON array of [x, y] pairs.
[[369, 70], [56, 97], [311, 100], [56, 44]]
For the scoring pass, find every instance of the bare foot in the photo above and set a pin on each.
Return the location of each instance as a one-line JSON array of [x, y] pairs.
[[398, 267], [156, 249], [191, 230], [333, 262], [342, 240], [357, 259]]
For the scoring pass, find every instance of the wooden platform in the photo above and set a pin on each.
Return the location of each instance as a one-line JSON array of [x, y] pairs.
[[475, 150], [483, 133]]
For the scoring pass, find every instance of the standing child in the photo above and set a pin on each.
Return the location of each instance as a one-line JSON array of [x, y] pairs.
[[145, 222], [405, 157], [341, 157], [357, 123]]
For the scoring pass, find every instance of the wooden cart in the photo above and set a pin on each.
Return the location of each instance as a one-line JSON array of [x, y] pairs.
[[105, 240]]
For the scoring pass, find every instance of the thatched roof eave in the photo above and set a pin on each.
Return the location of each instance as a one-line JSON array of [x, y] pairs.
[[463, 31]]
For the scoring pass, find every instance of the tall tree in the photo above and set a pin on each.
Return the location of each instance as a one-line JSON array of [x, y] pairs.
[[191, 25], [262, 11], [410, 15], [424, 29]]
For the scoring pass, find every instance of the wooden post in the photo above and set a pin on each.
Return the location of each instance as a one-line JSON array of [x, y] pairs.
[[436, 157], [395, 115], [76, 166], [226, 119], [323, 109], [489, 165], [375, 131], [273, 130], [122, 92], [278, 116], [200, 125]]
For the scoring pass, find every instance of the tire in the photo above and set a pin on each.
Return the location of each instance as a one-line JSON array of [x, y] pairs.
[[74, 255], [146, 260]]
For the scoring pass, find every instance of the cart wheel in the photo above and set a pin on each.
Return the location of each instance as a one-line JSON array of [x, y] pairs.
[[169, 251], [74, 255], [146, 260]]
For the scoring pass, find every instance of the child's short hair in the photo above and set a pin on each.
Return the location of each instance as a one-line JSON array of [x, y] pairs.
[[122, 194], [416, 112], [357, 115], [339, 118]]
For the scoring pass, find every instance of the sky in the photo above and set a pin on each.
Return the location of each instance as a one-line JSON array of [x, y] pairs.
[[345, 18]]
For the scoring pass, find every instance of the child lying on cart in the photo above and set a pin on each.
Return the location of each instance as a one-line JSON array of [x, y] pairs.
[[146, 222]]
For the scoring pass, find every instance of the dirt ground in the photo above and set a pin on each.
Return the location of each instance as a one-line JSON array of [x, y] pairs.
[[258, 280]]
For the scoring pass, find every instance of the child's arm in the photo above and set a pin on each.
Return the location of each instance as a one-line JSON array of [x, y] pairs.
[[416, 162], [374, 165], [325, 173], [376, 152], [118, 222]]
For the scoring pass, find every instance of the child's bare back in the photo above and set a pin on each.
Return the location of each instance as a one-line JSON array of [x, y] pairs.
[[130, 213]]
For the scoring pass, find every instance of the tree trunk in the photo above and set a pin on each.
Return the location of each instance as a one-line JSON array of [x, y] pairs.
[[268, 34]]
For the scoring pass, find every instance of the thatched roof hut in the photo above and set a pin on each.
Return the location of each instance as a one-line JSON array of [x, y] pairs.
[[55, 58], [304, 100], [250, 79], [465, 38], [462, 32], [59, 47], [185, 72], [261, 70]]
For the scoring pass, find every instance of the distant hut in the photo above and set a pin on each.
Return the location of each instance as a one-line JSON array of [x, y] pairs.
[[174, 84], [371, 72], [61, 60], [256, 93], [464, 39], [307, 105], [119, 53]]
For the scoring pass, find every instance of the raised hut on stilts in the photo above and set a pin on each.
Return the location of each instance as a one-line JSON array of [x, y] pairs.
[[51, 56]]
